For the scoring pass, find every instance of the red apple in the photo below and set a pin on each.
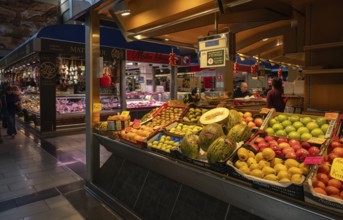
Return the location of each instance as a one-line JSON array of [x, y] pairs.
[[273, 143], [285, 150], [281, 140], [317, 183], [338, 151], [341, 140], [269, 138], [274, 148], [283, 145], [332, 156], [293, 142], [335, 144], [305, 145], [296, 147], [336, 183], [326, 158], [313, 151], [323, 178], [291, 155], [279, 153], [259, 139], [258, 121], [301, 153], [262, 145]]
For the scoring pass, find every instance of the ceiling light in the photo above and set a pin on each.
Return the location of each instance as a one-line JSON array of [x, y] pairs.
[[166, 39], [122, 8], [138, 37], [265, 39]]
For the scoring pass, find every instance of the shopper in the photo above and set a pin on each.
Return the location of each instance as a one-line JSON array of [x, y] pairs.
[[3, 110], [274, 96], [2, 120], [13, 106], [242, 91]]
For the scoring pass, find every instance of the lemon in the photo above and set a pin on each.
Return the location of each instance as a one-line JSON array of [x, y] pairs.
[[258, 157], [276, 161], [271, 177], [268, 154], [268, 170], [278, 167], [291, 163], [263, 163], [282, 174], [245, 169], [296, 178], [254, 166], [257, 173], [295, 170], [285, 180], [251, 160], [240, 164]]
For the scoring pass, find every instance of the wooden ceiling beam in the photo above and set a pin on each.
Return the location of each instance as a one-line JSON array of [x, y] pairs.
[[258, 49], [272, 53]]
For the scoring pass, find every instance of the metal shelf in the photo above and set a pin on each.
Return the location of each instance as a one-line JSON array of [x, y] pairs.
[[222, 187]]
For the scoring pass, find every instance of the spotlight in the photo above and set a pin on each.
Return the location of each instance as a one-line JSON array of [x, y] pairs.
[[122, 8]]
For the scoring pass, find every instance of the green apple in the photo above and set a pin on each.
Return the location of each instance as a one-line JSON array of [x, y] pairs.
[[320, 121], [282, 117], [303, 130], [306, 136], [317, 132], [294, 118], [272, 122], [290, 128], [285, 123], [277, 126], [306, 120], [294, 135], [270, 131], [312, 125], [324, 127], [298, 124], [281, 133]]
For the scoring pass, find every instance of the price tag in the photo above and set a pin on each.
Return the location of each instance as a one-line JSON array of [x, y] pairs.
[[125, 113], [331, 115], [97, 107], [313, 160], [264, 111], [315, 140], [337, 169]]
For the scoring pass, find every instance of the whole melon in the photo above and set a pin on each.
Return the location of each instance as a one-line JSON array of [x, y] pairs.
[[220, 149], [190, 146], [233, 119], [209, 134], [239, 132]]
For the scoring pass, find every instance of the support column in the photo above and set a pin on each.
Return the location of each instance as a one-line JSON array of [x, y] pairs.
[[173, 82], [92, 46]]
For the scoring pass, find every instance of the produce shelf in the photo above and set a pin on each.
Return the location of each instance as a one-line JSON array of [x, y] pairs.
[[225, 188]]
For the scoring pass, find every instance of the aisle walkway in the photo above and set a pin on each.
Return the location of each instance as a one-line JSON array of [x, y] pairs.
[[36, 185]]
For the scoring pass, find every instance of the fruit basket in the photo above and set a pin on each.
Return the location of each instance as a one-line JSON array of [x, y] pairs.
[[286, 148], [300, 127], [323, 186], [163, 144], [267, 172], [180, 129]]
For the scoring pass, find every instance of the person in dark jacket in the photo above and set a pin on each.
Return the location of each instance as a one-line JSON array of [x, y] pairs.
[[274, 96], [3, 110], [13, 106], [242, 91]]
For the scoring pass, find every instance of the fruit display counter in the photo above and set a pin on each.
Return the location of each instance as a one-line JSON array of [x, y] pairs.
[[217, 152]]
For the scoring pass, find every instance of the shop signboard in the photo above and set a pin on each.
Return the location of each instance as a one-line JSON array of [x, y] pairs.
[[213, 51], [23, 51]]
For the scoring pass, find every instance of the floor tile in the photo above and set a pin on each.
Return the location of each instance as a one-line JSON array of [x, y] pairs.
[[48, 185], [24, 211], [7, 205], [17, 193], [57, 201], [53, 214], [4, 189], [37, 196], [71, 187], [74, 217]]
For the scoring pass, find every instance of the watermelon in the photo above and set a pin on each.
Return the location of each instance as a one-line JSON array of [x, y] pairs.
[[190, 146], [233, 119], [220, 149], [239, 132], [209, 134]]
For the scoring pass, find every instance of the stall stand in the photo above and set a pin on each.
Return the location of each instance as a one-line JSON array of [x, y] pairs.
[[50, 69]]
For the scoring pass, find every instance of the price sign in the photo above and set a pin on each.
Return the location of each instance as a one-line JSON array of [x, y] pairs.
[[337, 169], [264, 110], [331, 115], [125, 113], [315, 140], [97, 107], [313, 160]]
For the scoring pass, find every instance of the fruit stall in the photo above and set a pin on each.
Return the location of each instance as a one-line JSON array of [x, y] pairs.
[[240, 158]]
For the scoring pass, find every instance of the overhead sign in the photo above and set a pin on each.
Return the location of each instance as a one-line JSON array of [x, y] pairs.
[[212, 58], [213, 51]]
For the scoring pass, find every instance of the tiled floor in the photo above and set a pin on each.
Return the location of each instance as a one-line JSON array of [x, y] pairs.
[[35, 184]]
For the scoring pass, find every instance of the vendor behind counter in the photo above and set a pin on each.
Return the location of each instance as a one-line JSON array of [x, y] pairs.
[[242, 91]]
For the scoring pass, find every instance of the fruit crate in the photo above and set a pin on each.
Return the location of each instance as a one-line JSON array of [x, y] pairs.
[[285, 148], [169, 129], [270, 124], [338, 130], [194, 113], [313, 197], [289, 189], [132, 138], [202, 162], [149, 144]]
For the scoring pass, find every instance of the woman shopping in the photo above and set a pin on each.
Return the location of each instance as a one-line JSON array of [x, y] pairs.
[[274, 96]]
